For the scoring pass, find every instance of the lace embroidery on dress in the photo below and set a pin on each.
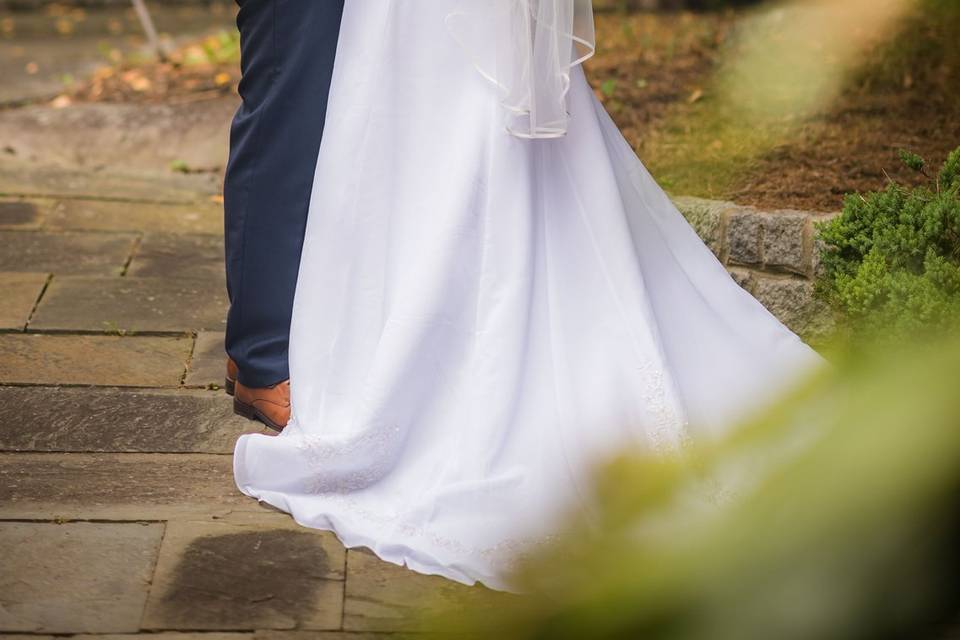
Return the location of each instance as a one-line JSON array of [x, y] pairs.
[[669, 431], [504, 555], [345, 465], [351, 463]]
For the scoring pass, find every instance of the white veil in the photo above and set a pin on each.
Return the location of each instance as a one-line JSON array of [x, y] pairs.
[[527, 49]]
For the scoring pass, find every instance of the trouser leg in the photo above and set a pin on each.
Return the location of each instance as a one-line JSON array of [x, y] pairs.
[[287, 55]]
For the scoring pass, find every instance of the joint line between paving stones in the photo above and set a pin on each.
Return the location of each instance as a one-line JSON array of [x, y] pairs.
[[101, 387], [17, 103], [127, 452], [153, 576], [178, 631], [36, 304], [118, 454], [343, 591], [137, 241], [93, 231], [171, 391], [186, 333], [84, 385], [56, 520], [189, 362], [91, 198]]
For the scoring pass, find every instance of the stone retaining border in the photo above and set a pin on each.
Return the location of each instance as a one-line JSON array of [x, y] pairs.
[[772, 254]]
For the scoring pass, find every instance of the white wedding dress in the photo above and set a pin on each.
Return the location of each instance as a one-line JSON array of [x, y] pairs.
[[480, 319]]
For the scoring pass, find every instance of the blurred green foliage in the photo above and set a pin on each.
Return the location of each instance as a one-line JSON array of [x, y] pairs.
[[836, 519], [891, 260]]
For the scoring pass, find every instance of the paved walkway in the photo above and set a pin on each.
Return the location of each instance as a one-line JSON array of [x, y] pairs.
[[118, 512]]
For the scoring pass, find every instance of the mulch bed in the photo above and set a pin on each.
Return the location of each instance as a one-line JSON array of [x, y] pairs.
[[905, 96]]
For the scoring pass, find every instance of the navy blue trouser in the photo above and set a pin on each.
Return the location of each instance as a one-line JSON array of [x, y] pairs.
[[287, 53]]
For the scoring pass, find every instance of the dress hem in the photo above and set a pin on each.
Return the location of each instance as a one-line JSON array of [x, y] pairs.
[[404, 552]]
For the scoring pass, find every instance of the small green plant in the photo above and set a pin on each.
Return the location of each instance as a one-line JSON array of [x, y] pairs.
[[608, 87], [891, 260]]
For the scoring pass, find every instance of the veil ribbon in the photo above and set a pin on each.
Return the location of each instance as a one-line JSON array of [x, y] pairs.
[[527, 48]]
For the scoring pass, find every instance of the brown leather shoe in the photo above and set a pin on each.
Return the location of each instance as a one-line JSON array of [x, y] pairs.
[[271, 405], [230, 382]]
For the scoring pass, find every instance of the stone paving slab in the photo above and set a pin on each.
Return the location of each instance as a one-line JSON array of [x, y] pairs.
[[381, 596], [171, 635], [127, 305], [142, 137], [176, 255], [28, 179], [76, 577], [65, 253], [20, 214], [20, 293], [118, 486], [107, 420], [223, 576], [267, 634], [208, 365], [98, 215], [141, 361]]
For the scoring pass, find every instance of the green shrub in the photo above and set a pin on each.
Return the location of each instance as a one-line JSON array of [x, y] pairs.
[[891, 260]]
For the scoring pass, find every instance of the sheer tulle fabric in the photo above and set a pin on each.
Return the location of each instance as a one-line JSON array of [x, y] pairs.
[[527, 48], [481, 319]]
